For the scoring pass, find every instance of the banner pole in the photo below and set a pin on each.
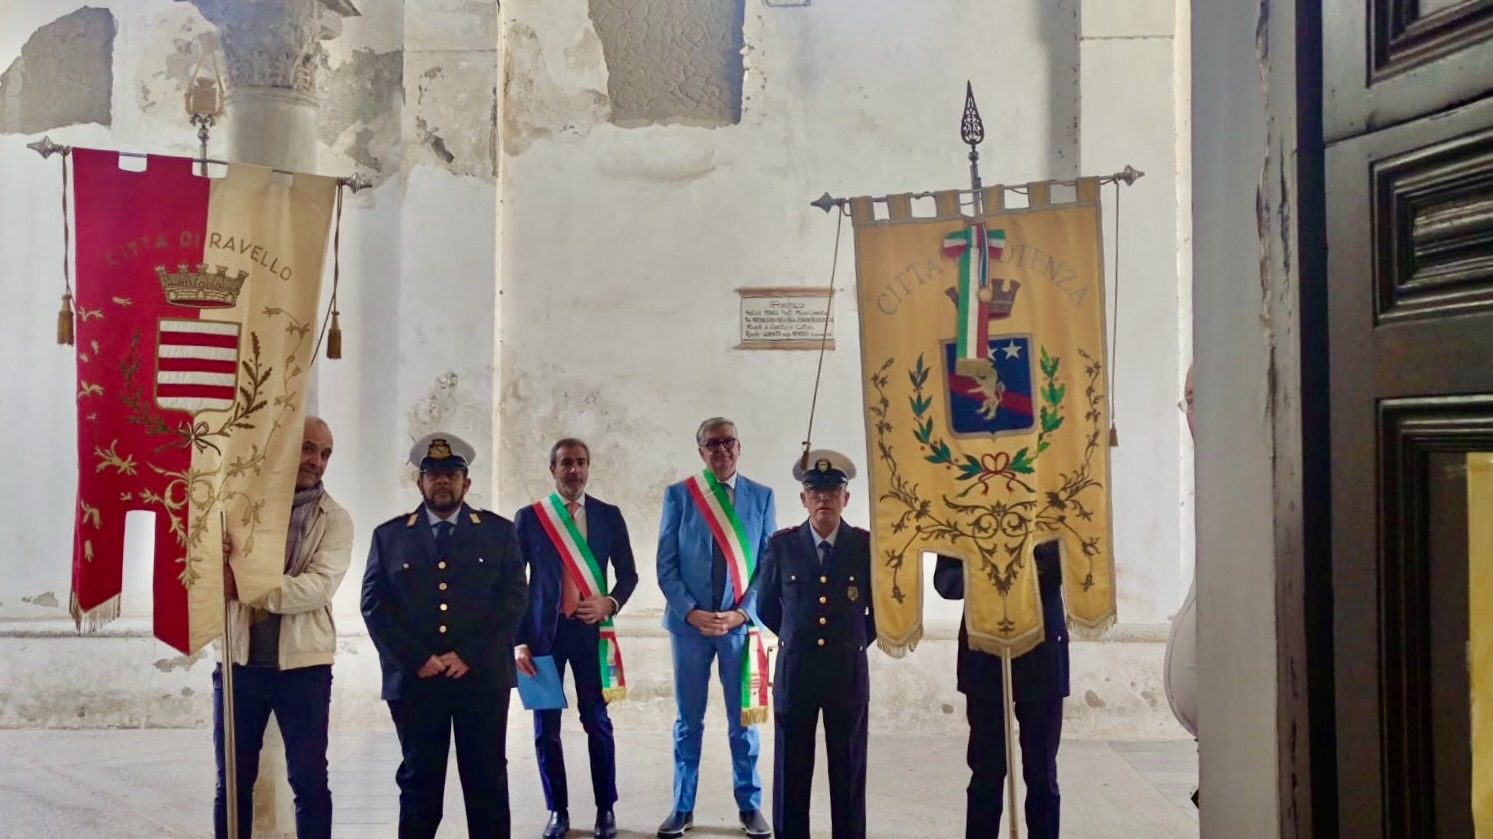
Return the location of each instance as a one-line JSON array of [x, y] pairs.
[[230, 740], [1012, 809]]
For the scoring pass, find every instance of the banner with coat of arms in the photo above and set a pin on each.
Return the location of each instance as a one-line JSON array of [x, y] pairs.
[[195, 331], [982, 342]]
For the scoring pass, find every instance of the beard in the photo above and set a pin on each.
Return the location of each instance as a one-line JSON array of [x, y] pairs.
[[442, 502]]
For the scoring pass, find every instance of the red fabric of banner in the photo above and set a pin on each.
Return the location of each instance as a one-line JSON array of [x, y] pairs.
[[129, 224]]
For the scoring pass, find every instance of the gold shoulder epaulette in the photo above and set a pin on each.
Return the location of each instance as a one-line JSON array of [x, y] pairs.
[[410, 522], [476, 519]]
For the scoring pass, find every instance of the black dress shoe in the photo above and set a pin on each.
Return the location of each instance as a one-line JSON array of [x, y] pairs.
[[606, 825], [558, 826], [754, 825], [676, 824]]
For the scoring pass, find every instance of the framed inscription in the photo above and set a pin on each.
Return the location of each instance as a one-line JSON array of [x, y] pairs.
[[786, 318]]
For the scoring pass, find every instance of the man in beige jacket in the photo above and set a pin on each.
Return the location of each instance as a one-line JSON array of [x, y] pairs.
[[282, 657]]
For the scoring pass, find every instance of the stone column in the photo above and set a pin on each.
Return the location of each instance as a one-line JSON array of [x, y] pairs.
[[273, 51]]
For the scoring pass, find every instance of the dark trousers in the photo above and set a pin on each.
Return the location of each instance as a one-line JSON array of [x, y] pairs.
[[1041, 729], [576, 645], [797, 731], [301, 700], [424, 720]]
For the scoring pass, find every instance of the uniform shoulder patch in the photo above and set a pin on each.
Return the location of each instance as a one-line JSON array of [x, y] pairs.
[[410, 522], [476, 519]]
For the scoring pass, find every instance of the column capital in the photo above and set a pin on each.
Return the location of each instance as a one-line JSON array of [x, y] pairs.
[[274, 43]]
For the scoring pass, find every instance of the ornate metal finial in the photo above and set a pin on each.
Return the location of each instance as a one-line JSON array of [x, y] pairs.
[[46, 148], [972, 128], [826, 201], [1130, 175], [355, 183]]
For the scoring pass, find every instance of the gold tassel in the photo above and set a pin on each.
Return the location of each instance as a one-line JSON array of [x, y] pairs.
[[1114, 436], [65, 321], [753, 716], [334, 338], [616, 694]]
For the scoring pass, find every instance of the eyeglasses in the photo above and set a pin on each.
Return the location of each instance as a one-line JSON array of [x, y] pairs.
[[720, 443], [830, 492]]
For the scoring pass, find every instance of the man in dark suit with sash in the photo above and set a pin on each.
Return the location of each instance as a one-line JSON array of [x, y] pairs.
[[815, 595], [568, 539], [442, 596], [1039, 682]]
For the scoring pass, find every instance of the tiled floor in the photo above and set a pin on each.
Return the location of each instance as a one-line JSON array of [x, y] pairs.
[[159, 783]]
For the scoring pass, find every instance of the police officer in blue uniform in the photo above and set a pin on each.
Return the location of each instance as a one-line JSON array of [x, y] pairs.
[[442, 597], [1039, 682], [815, 595]]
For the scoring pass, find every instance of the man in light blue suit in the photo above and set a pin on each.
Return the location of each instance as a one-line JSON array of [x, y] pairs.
[[711, 612]]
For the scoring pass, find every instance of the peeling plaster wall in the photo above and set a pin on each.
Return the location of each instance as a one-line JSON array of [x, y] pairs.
[[623, 245], [609, 287], [63, 75]]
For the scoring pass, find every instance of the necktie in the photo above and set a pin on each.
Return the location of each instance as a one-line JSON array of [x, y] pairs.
[[824, 548], [570, 596], [443, 538]]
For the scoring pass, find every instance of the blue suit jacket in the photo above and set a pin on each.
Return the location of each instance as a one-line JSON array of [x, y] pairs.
[[686, 550], [606, 533], [1039, 674]]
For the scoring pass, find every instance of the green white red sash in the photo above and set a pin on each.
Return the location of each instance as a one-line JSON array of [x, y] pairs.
[[974, 247], [716, 508], [583, 569]]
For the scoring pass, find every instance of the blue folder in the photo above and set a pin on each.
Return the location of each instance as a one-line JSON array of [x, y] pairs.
[[542, 691]]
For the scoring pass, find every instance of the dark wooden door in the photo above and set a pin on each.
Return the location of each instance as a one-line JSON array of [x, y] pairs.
[[1407, 122]]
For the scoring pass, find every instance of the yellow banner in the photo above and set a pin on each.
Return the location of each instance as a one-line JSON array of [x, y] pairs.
[[986, 387]]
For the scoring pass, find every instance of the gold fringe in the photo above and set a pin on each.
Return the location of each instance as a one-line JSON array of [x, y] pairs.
[[996, 648], [614, 694], [1114, 436], [901, 649], [334, 338], [754, 716], [1090, 633], [94, 619], [65, 321]]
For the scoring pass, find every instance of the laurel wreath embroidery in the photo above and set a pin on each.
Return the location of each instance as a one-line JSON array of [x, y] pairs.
[[1000, 529], [200, 487]]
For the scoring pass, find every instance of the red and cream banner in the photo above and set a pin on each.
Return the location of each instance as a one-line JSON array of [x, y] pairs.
[[196, 327]]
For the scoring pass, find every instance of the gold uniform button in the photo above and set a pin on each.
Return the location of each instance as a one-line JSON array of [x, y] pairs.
[[441, 565], [443, 607], [406, 566], [823, 621], [823, 599], [442, 629], [443, 586], [823, 579], [821, 642]]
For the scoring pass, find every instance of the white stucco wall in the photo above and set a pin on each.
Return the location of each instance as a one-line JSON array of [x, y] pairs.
[[600, 301]]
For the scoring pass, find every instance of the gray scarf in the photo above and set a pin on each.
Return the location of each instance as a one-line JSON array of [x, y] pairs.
[[300, 520]]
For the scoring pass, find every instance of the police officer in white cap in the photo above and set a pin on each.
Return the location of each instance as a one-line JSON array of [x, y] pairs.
[[815, 596], [442, 596]]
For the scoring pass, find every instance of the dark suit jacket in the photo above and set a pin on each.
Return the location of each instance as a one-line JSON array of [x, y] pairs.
[[482, 588], [822, 616], [606, 534], [1041, 673]]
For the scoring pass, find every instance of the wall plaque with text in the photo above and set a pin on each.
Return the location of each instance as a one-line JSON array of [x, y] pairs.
[[786, 318]]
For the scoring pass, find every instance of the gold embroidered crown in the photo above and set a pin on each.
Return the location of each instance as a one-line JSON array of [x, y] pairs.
[[200, 288]]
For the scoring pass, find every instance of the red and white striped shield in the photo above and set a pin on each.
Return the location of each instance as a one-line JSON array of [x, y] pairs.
[[196, 365]]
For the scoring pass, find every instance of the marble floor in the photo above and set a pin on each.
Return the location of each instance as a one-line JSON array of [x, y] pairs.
[[159, 783]]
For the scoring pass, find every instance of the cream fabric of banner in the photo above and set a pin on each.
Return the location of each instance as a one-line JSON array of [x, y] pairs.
[[275, 228], [985, 467]]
